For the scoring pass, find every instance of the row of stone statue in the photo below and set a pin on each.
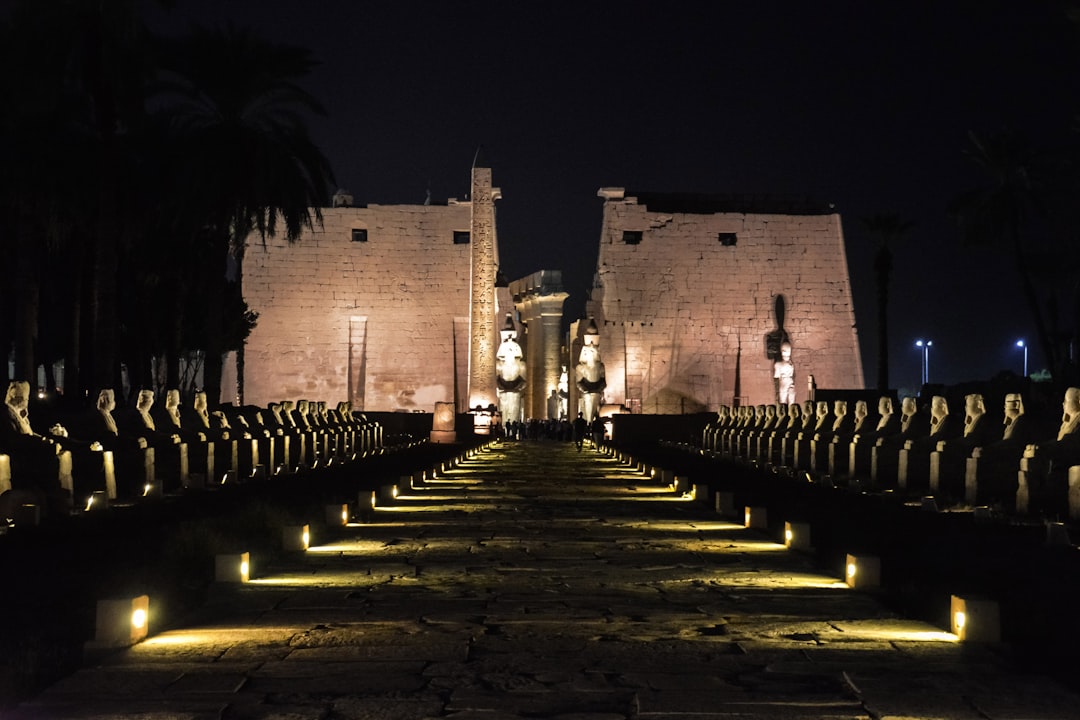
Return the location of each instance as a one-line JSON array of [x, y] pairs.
[[140, 450], [967, 457]]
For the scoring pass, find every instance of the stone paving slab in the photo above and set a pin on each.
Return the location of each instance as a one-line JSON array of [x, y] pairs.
[[543, 583]]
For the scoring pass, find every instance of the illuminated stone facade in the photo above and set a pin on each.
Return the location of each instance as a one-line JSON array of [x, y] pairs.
[[347, 313], [687, 292]]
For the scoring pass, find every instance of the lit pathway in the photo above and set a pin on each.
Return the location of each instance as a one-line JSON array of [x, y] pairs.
[[539, 582]]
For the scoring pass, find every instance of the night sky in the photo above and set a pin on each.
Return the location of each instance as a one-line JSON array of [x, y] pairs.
[[865, 105]]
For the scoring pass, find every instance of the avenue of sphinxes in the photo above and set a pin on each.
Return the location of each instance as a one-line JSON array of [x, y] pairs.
[[398, 307]]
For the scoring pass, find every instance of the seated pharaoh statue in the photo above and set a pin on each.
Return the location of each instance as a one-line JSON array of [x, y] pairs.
[[510, 374], [591, 380]]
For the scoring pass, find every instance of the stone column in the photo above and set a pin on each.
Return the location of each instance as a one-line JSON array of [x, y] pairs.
[[539, 299], [483, 335], [550, 312]]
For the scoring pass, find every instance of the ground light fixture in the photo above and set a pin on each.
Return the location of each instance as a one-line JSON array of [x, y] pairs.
[[337, 515], [756, 518], [797, 535], [122, 621], [296, 538], [975, 619], [862, 572], [232, 568]]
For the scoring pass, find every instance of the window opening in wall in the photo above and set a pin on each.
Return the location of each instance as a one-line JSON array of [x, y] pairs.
[[359, 234], [728, 239], [461, 237], [632, 237]]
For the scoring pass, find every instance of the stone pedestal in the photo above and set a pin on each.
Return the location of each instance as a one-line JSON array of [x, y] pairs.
[[442, 424]]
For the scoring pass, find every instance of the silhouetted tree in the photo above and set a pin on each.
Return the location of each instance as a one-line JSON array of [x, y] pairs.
[[249, 164], [887, 228], [999, 212]]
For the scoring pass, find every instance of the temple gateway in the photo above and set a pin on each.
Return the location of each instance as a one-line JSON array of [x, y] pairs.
[[400, 307]]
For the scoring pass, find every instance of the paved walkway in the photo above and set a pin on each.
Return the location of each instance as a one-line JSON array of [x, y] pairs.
[[539, 582]]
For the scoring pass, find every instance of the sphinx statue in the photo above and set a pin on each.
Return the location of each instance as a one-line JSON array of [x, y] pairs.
[[948, 459], [591, 380], [888, 423], [1066, 446], [913, 469], [510, 373], [991, 470]]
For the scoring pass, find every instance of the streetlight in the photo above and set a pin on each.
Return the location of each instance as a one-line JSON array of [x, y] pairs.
[[1022, 344], [925, 345]]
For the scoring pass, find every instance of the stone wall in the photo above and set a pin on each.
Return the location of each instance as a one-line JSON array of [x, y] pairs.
[[684, 301], [383, 322]]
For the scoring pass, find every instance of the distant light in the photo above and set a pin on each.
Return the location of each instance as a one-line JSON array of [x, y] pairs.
[[960, 619], [1019, 343], [138, 619], [851, 568]]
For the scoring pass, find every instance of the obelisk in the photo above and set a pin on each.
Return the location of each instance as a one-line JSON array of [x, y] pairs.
[[483, 335]]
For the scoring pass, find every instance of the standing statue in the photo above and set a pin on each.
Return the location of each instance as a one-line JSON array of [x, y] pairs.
[[510, 373], [784, 373], [564, 393], [589, 372]]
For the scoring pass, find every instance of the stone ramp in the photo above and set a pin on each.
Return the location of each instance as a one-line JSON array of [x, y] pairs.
[[538, 582]]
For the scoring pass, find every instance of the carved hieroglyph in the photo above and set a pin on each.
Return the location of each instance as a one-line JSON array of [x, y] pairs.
[[482, 291]]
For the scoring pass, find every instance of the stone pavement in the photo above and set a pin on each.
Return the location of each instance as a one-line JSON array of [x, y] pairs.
[[537, 582]]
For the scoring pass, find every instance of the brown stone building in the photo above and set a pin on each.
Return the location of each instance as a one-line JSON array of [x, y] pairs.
[[376, 305], [688, 289]]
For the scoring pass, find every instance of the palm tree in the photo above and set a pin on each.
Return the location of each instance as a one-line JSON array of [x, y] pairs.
[[246, 161], [79, 93], [999, 213], [888, 228]]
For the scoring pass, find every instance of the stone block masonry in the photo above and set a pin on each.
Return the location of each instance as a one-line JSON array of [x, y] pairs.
[[362, 308], [685, 295]]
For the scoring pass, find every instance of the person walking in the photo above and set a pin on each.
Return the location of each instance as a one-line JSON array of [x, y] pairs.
[[581, 426]]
